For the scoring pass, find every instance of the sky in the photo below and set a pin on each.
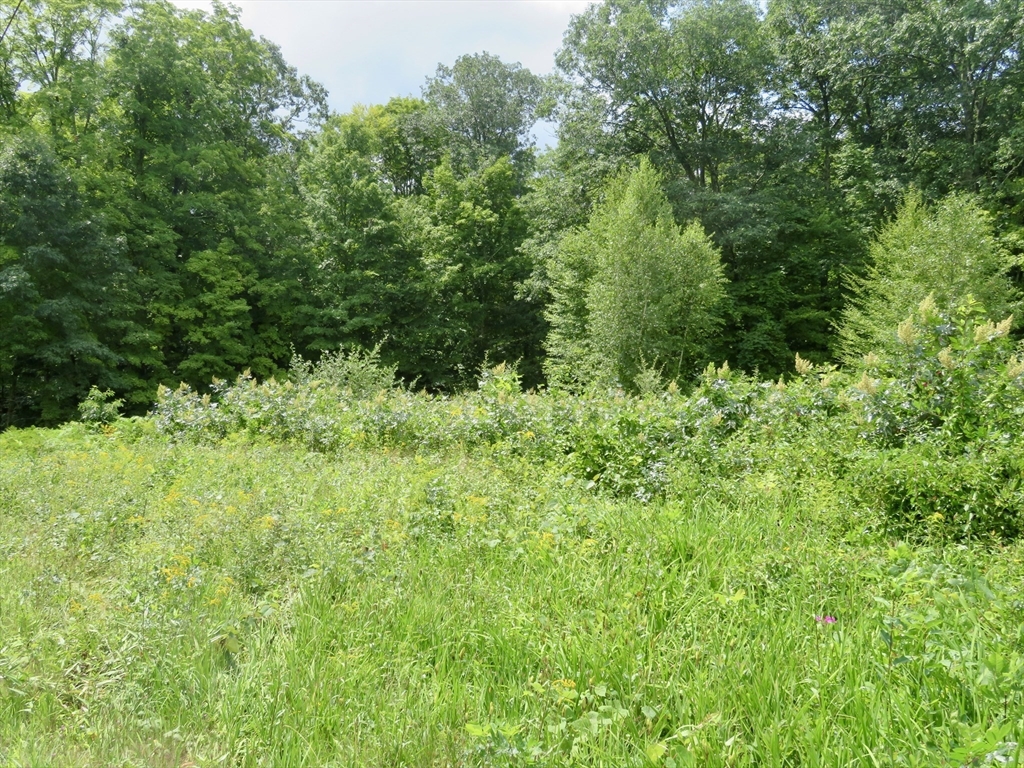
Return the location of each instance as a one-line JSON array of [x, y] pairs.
[[366, 51]]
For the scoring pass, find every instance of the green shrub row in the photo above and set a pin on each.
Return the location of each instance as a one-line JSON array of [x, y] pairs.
[[929, 436]]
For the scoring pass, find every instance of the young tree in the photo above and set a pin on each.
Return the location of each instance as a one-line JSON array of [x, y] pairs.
[[948, 252], [632, 290]]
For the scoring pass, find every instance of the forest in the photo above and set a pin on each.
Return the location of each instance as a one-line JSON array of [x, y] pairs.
[[729, 183]]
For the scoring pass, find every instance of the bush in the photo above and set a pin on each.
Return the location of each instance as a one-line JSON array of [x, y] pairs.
[[923, 490], [99, 408], [356, 372], [943, 415], [926, 435]]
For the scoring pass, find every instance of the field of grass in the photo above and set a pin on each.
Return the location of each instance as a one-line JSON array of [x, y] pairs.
[[247, 602]]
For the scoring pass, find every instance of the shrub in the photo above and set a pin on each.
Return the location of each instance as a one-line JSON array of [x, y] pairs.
[[923, 490], [356, 372], [942, 413], [926, 435], [99, 409]]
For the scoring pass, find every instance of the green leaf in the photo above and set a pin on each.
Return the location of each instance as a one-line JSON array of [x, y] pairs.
[[656, 751], [479, 731]]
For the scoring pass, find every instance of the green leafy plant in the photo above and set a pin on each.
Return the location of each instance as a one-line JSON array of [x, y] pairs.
[[100, 408]]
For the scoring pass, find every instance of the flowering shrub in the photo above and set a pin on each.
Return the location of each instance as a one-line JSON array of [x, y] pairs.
[[927, 436], [943, 415]]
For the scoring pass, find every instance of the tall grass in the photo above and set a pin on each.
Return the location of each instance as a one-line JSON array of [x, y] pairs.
[[166, 604]]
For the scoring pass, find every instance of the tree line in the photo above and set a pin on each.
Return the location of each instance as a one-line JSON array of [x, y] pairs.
[[177, 203]]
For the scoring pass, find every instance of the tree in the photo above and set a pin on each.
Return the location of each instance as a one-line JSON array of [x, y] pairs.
[[62, 291], [684, 81], [198, 117], [948, 252], [467, 232], [485, 107], [405, 142], [632, 290], [364, 273], [57, 52], [812, 67], [690, 85], [8, 75]]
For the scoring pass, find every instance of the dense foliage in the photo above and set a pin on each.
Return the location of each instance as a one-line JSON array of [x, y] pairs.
[[178, 204], [928, 434]]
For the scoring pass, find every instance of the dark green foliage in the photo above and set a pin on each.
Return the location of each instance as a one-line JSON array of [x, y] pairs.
[[62, 287], [363, 273], [207, 107], [926, 491], [466, 233], [785, 253]]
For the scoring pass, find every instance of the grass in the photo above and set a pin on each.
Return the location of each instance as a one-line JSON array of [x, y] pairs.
[[256, 604]]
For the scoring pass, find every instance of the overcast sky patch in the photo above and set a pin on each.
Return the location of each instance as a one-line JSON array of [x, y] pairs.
[[366, 51]]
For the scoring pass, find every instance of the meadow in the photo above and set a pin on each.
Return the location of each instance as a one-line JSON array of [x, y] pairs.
[[821, 571]]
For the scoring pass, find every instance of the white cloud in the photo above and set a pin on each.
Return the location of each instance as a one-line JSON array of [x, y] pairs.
[[366, 51]]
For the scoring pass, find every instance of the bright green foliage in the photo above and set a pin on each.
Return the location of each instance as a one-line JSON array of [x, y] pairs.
[[467, 232], [687, 84], [249, 225], [951, 396], [948, 252], [945, 409], [176, 129], [632, 289], [470, 578], [57, 55], [354, 372], [100, 409], [423, 261], [362, 272], [407, 143]]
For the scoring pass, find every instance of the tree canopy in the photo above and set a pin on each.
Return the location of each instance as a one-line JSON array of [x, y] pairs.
[[731, 181]]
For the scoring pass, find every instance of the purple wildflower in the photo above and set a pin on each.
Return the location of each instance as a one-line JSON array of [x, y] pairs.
[[825, 619]]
